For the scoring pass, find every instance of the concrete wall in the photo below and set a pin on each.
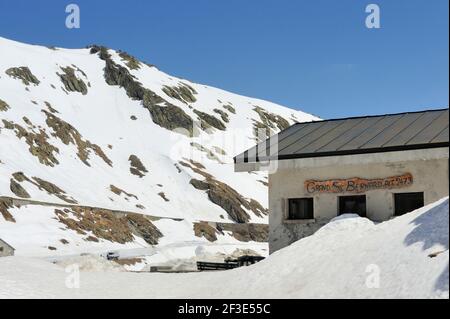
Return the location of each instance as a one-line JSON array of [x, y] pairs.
[[428, 167], [5, 249]]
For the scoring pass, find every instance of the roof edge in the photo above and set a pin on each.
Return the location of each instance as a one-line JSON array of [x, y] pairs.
[[346, 152]]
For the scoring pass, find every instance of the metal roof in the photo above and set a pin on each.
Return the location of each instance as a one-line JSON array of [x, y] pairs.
[[355, 135]]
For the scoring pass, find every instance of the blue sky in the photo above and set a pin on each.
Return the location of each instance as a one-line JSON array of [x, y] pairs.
[[316, 56]]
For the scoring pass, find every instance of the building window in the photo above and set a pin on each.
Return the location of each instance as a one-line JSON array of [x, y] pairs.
[[301, 208], [407, 202], [352, 205]]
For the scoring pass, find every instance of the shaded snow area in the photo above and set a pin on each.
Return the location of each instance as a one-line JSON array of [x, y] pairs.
[[351, 257]]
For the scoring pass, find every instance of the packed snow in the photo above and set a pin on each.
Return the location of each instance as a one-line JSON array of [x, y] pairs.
[[351, 257]]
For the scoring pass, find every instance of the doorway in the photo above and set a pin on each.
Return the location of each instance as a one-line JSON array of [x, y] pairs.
[[352, 205]]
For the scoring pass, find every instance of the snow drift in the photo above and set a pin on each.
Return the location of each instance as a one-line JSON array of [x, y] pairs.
[[351, 257]]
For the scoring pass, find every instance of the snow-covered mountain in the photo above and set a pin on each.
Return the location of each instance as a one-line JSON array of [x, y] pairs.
[[99, 150]]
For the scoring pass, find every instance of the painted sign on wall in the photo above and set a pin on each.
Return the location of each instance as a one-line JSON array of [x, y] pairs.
[[357, 185]]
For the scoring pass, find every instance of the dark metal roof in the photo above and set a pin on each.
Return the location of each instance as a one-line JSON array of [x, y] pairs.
[[355, 135]]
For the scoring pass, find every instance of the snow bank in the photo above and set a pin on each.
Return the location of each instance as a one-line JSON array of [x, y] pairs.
[[406, 257], [90, 263]]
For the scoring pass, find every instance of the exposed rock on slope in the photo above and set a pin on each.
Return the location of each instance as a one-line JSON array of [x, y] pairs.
[[3, 106], [22, 73], [71, 81], [225, 196], [6, 204], [69, 135], [95, 128], [136, 166]]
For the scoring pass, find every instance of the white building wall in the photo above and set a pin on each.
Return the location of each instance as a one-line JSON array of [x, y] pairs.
[[428, 167], [5, 249]]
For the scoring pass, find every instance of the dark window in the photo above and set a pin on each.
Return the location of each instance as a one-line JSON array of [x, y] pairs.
[[352, 205], [407, 202], [301, 208]]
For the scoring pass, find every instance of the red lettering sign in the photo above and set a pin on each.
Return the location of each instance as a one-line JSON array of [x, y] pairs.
[[357, 185]]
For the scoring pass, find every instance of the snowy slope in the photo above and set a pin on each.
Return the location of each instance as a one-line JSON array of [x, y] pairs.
[[95, 127], [351, 257]]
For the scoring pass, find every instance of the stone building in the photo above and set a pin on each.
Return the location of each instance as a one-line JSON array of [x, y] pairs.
[[376, 166], [6, 249]]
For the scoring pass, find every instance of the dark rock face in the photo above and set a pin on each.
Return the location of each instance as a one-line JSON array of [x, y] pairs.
[[183, 92], [225, 196], [163, 196], [42, 184], [6, 204], [23, 73], [69, 135], [229, 199], [242, 232], [38, 143], [268, 123], [52, 189], [105, 224], [203, 229], [101, 223], [208, 121], [71, 82], [3, 106], [200, 185], [246, 232], [131, 62], [116, 190], [18, 190], [170, 117], [229, 108], [167, 116], [137, 168], [143, 227], [223, 115]]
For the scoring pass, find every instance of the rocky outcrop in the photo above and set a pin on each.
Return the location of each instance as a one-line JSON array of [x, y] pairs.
[[95, 224], [246, 232], [130, 61], [209, 154], [23, 73], [37, 140], [229, 108], [100, 223], [17, 189], [203, 229], [43, 185], [242, 232], [136, 166], [71, 82], [207, 121], [52, 189], [3, 106], [70, 135], [116, 190], [268, 124], [171, 117], [142, 227], [6, 204], [223, 115], [226, 197], [163, 113], [183, 92], [163, 196]]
